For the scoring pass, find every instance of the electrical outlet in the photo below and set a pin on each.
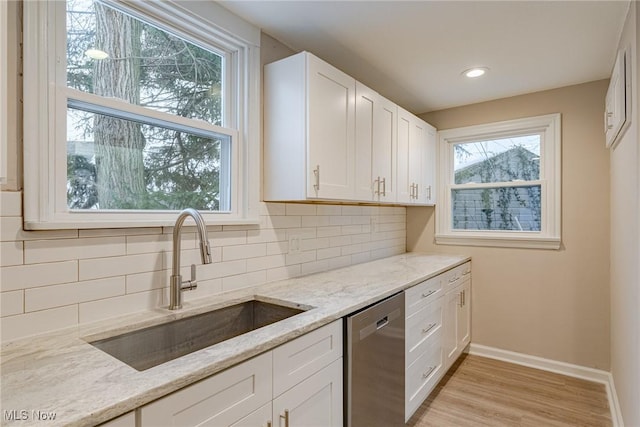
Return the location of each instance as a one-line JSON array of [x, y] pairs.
[[294, 244]]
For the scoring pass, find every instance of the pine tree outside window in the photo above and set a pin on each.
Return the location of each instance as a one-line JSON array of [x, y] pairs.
[[147, 117]]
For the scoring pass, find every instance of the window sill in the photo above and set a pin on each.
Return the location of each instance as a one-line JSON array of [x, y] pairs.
[[510, 241], [75, 225]]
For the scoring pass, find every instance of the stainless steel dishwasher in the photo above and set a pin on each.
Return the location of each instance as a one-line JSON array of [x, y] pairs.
[[374, 386]]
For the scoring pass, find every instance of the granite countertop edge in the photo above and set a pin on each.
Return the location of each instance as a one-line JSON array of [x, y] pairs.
[[60, 372]]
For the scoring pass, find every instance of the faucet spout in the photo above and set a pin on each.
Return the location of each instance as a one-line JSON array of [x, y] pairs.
[[176, 284]]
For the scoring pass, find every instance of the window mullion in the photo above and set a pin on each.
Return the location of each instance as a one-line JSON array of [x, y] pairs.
[[487, 185]]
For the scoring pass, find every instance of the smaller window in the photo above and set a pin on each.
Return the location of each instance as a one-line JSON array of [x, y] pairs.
[[501, 184]]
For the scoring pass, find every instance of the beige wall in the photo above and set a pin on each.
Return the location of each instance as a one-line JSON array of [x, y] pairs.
[[546, 303], [625, 249]]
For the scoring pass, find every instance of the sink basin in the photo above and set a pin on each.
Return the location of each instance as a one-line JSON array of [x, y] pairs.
[[149, 347]]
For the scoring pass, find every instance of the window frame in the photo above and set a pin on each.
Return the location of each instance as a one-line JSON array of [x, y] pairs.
[[549, 236], [212, 27]]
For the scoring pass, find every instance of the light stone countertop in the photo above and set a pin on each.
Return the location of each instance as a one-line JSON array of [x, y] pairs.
[[60, 372]]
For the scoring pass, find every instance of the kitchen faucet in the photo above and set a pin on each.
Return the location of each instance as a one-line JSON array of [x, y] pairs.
[[176, 285]]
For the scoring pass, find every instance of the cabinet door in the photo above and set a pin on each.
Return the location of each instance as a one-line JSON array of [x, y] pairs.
[[366, 103], [450, 321], [403, 180], [126, 420], [384, 149], [331, 132], [219, 400], [463, 332], [315, 402], [258, 418], [429, 166]]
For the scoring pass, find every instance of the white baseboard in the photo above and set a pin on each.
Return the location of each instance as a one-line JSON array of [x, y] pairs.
[[563, 368]]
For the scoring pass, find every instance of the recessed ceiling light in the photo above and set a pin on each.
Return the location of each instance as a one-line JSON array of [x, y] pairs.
[[475, 72], [96, 54]]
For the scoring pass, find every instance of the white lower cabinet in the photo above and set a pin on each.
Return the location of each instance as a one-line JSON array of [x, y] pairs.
[[437, 330], [125, 420], [457, 321], [317, 401], [296, 384]]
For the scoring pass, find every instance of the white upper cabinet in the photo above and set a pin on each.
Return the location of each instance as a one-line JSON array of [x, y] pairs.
[[416, 160], [615, 115], [309, 130], [329, 137], [376, 135]]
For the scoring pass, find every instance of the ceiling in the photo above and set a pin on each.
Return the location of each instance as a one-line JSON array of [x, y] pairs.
[[413, 52]]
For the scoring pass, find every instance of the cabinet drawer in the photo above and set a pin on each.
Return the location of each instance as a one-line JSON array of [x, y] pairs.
[[423, 330], [457, 275], [219, 400], [304, 356], [422, 377], [421, 294]]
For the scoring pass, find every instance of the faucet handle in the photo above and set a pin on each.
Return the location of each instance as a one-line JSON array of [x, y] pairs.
[[191, 284]]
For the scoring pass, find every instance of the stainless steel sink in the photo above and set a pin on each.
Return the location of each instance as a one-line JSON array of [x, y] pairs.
[[149, 347]]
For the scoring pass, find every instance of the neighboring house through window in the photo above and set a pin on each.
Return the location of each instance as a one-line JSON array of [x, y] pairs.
[[140, 109], [501, 184]]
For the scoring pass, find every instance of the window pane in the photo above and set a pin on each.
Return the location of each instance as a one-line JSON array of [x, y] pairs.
[[502, 160], [112, 54], [120, 164], [505, 208]]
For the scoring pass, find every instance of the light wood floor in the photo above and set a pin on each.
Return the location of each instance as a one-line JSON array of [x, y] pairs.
[[484, 392]]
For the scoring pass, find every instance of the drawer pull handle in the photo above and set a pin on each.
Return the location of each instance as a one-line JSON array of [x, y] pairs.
[[453, 279], [431, 292], [466, 273], [428, 328], [316, 173], [426, 374]]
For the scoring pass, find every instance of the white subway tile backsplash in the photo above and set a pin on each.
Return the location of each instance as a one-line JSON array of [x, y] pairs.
[[11, 203], [142, 282], [141, 244], [11, 303], [230, 253], [300, 209], [52, 279], [244, 280], [31, 276], [72, 293], [11, 231], [39, 251], [11, 253], [283, 273], [329, 210], [227, 238], [93, 311], [27, 324], [119, 265]]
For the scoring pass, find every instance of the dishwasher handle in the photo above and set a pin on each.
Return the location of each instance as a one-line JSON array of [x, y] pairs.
[[382, 322]]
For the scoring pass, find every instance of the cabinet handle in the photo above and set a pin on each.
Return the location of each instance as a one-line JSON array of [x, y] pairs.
[[466, 273], [376, 184], [384, 186], [431, 292], [429, 190], [453, 279], [428, 328], [286, 417], [607, 115], [417, 192], [461, 303], [426, 374], [413, 191], [316, 173]]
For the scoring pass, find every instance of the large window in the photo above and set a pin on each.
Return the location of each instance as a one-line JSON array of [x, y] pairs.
[[501, 184], [145, 113]]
